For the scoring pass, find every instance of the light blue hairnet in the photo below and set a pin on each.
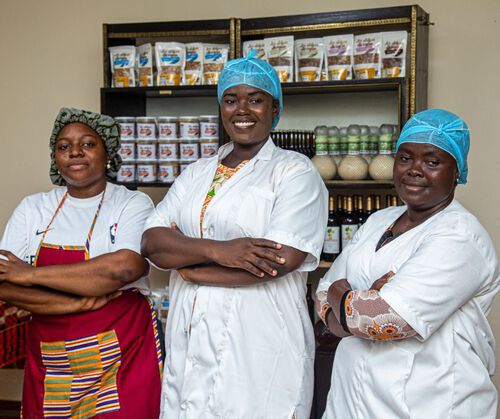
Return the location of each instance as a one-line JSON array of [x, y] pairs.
[[252, 72], [442, 129]]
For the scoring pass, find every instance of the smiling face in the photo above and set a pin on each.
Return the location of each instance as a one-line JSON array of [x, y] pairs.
[[424, 176], [81, 157], [247, 114]]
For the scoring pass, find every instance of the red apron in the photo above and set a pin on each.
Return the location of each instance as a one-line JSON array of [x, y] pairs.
[[104, 363]]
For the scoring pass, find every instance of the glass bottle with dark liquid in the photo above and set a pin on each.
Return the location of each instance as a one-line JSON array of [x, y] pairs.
[[331, 246]]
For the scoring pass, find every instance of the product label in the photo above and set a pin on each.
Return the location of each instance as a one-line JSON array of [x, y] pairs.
[[146, 172], [333, 149], [168, 173], [209, 149], [321, 149], [167, 130], [209, 130], [332, 241], [167, 151], [385, 147], [127, 151], [126, 173], [364, 147], [353, 148], [189, 151], [348, 232], [127, 130], [146, 151], [189, 129], [146, 131]]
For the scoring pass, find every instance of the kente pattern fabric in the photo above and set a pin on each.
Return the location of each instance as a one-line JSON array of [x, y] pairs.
[[222, 175], [442, 129], [80, 381], [105, 126], [252, 72]]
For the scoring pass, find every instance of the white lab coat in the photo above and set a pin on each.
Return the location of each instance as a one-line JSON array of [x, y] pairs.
[[244, 352], [446, 279]]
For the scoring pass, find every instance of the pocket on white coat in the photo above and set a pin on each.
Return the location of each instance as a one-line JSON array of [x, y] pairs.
[[254, 212]]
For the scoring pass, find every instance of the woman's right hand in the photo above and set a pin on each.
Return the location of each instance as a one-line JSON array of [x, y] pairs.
[[256, 256]]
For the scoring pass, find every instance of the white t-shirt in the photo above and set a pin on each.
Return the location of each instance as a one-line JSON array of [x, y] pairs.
[[446, 276], [119, 226], [244, 352]]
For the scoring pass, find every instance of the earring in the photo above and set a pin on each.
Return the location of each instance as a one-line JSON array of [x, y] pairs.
[[108, 166]]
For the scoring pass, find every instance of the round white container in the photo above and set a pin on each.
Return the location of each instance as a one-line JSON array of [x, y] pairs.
[[126, 173], [127, 127], [167, 127], [146, 150], [189, 127], [146, 127], [209, 147], [189, 149], [168, 171], [127, 150], [168, 150], [146, 171], [209, 126]]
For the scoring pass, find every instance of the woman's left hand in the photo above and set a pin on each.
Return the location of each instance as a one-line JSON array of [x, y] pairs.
[[14, 270], [336, 291]]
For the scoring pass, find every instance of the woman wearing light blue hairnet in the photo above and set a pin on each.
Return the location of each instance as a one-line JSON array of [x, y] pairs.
[[411, 291], [241, 230]]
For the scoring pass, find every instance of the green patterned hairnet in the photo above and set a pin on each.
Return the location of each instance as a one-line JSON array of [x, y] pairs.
[[105, 126]]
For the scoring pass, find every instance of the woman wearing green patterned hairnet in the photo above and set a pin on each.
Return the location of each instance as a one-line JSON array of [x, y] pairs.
[[241, 230], [71, 257]]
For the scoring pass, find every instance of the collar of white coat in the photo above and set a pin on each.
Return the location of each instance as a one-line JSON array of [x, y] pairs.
[[265, 153]]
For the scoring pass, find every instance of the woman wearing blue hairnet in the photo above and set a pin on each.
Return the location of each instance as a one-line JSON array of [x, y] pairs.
[[241, 230], [416, 341]]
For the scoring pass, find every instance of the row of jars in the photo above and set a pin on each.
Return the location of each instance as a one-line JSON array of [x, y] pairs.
[[148, 171], [169, 149], [355, 152], [168, 127]]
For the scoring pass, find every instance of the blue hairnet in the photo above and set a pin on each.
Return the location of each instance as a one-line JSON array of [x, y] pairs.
[[252, 72], [442, 129]]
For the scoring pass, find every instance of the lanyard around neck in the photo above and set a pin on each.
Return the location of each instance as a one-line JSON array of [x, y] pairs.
[[94, 220]]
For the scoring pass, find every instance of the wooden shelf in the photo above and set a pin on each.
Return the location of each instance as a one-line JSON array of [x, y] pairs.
[[359, 184], [162, 91], [330, 184], [295, 88]]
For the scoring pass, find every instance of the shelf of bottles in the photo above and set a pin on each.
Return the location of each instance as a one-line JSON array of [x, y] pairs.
[[346, 214]]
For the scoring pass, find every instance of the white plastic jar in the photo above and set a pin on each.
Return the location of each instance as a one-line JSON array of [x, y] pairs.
[[126, 173], [189, 149], [168, 149], [127, 150], [147, 171], [168, 171], [189, 127], [127, 127], [146, 127], [167, 127], [209, 147], [146, 150], [209, 126]]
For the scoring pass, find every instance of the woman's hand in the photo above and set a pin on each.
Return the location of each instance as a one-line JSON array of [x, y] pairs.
[[336, 291], [384, 279], [14, 270], [255, 256]]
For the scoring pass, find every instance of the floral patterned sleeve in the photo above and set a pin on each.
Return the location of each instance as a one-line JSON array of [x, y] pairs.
[[368, 316], [322, 305]]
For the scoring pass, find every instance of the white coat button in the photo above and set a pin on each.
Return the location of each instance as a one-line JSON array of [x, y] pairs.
[[184, 405], [211, 231]]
